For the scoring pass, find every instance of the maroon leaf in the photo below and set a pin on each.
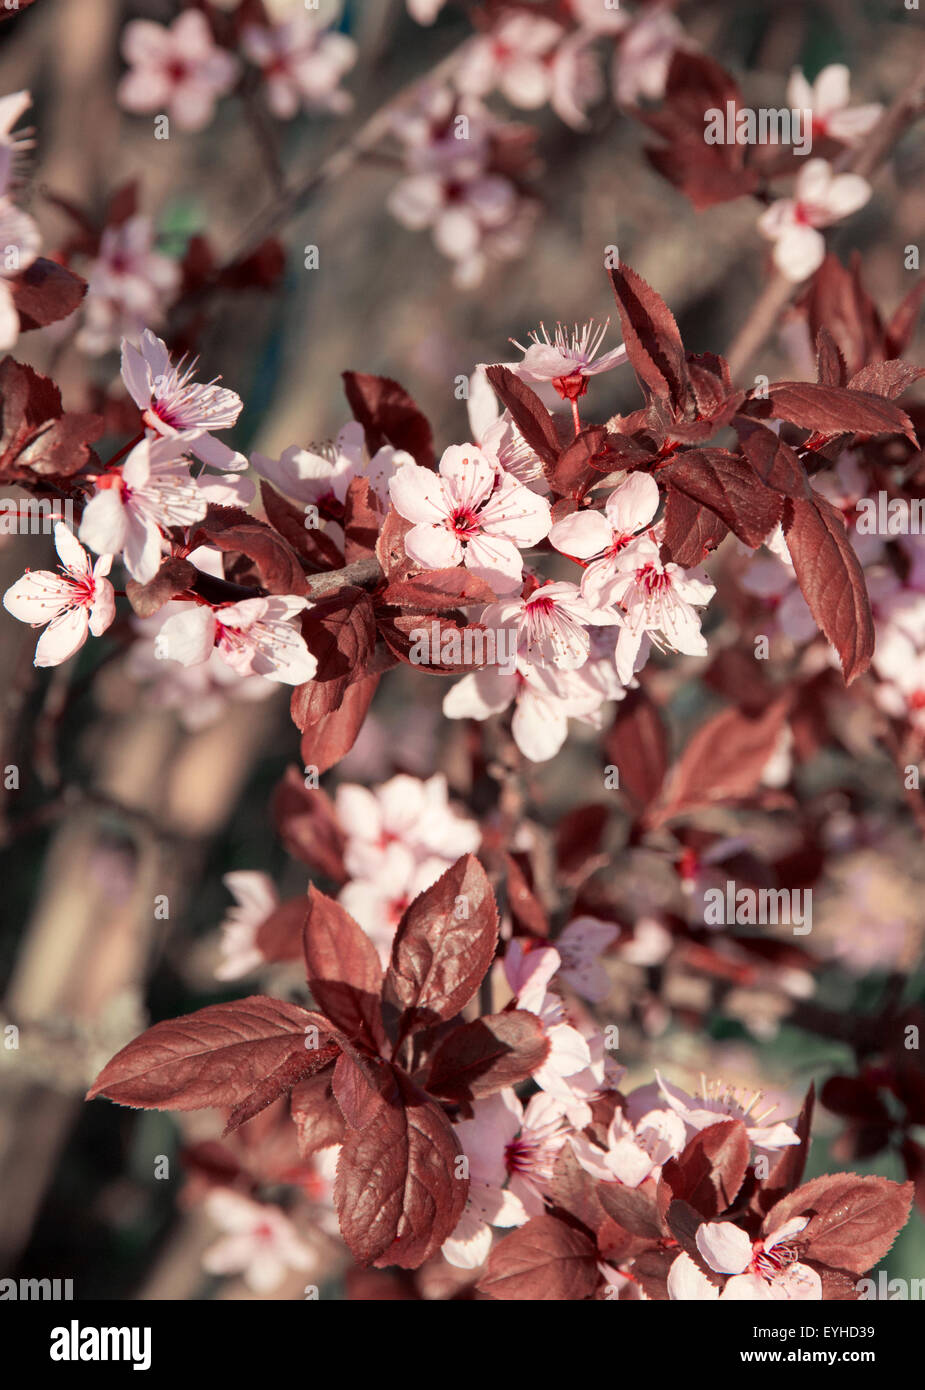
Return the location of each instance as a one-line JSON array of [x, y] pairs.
[[44, 293], [358, 1090], [728, 486], [174, 577], [436, 591], [363, 516], [653, 343], [853, 1220], [444, 946], [525, 907], [274, 559], [318, 1119], [632, 1208], [787, 1172], [581, 463], [480, 1058], [215, 1056], [832, 581], [773, 460], [325, 743], [37, 438], [340, 632], [831, 410], [527, 411], [711, 1169], [315, 546], [722, 762], [308, 826], [637, 745], [691, 530], [279, 936], [545, 1261], [579, 842], [889, 379], [343, 969], [397, 1193], [389, 416], [280, 1081]]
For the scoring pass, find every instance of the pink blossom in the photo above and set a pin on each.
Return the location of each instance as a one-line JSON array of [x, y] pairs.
[[405, 810], [498, 438], [820, 197], [599, 16], [259, 1241], [256, 897], [552, 624], [528, 974], [611, 534], [827, 98], [302, 65], [512, 1150], [12, 108], [642, 60], [568, 361], [545, 698], [581, 945], [128, 285], [20, 241], [313, 475], [133, 503], [718, 1100], [659, 601], [425, 11], [461, 211], [768, 1268], [74, 602], [255, 637], [513, 58], [174, 405], [175, 69], [634, 1152], [467, 513]]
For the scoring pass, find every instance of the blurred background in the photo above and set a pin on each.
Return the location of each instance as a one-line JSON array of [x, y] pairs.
[[118, 805]]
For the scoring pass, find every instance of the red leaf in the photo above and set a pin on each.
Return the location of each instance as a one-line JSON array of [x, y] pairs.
[[279, 1082], [363, 516], [325, 743], [691, 530], [397, 1193], [37, 439], [174, 577], [886, 378], [711, 1169], [279, 937], [853, 1220], [436, 591], [44, 293], [343, 969], [728, 486], [832, 581], [525, 907], [315, 546], [652, 340], [444, 946], [480, 1058], [773, 460], [579, 841], [527, 411], [581, 462], [637, 745], [318, 1119], [632, 1208], [831, 410], [340, 631], [389, 416], [722, 762], [274, 559], [544, 1261], [357, 1091], [308, 826], [215, 1056]]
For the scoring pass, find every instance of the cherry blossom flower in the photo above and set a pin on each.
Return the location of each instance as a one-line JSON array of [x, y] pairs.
[[173, 404], [568, 361], [255, 637], [634, 1152], [552, 624], [310, 475], [132, 503], [820, 197], [512, 58], [827, 98], [425, 11], [128, 285], [768, 1268], [379, 903], [405, 810], [611, 534], [658, 600], [302, 64], [575, 80], [20, 241], [256, 897], [720, 1100], [599, 16], [580, 946], [506, 1140], [465, 512], [73, 603], [528, 974], [177, 69], [460, 211], [484, 1139], [12, 145], [259, 1241], [642, 60], [545, 698], [498, 438]]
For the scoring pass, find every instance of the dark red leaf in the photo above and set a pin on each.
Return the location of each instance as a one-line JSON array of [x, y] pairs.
[[343, 970], [318, 1119], [711, 1169], [652, 341], [637, 745], [308, 826], [274, 559], [279, 936], [325, 743], [174, 577], [480, 1058], [853, 1220], [727, 485], [527, 411], [389, 416], [832, 581], [340, 631], [545, 1261], [44, 293]]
